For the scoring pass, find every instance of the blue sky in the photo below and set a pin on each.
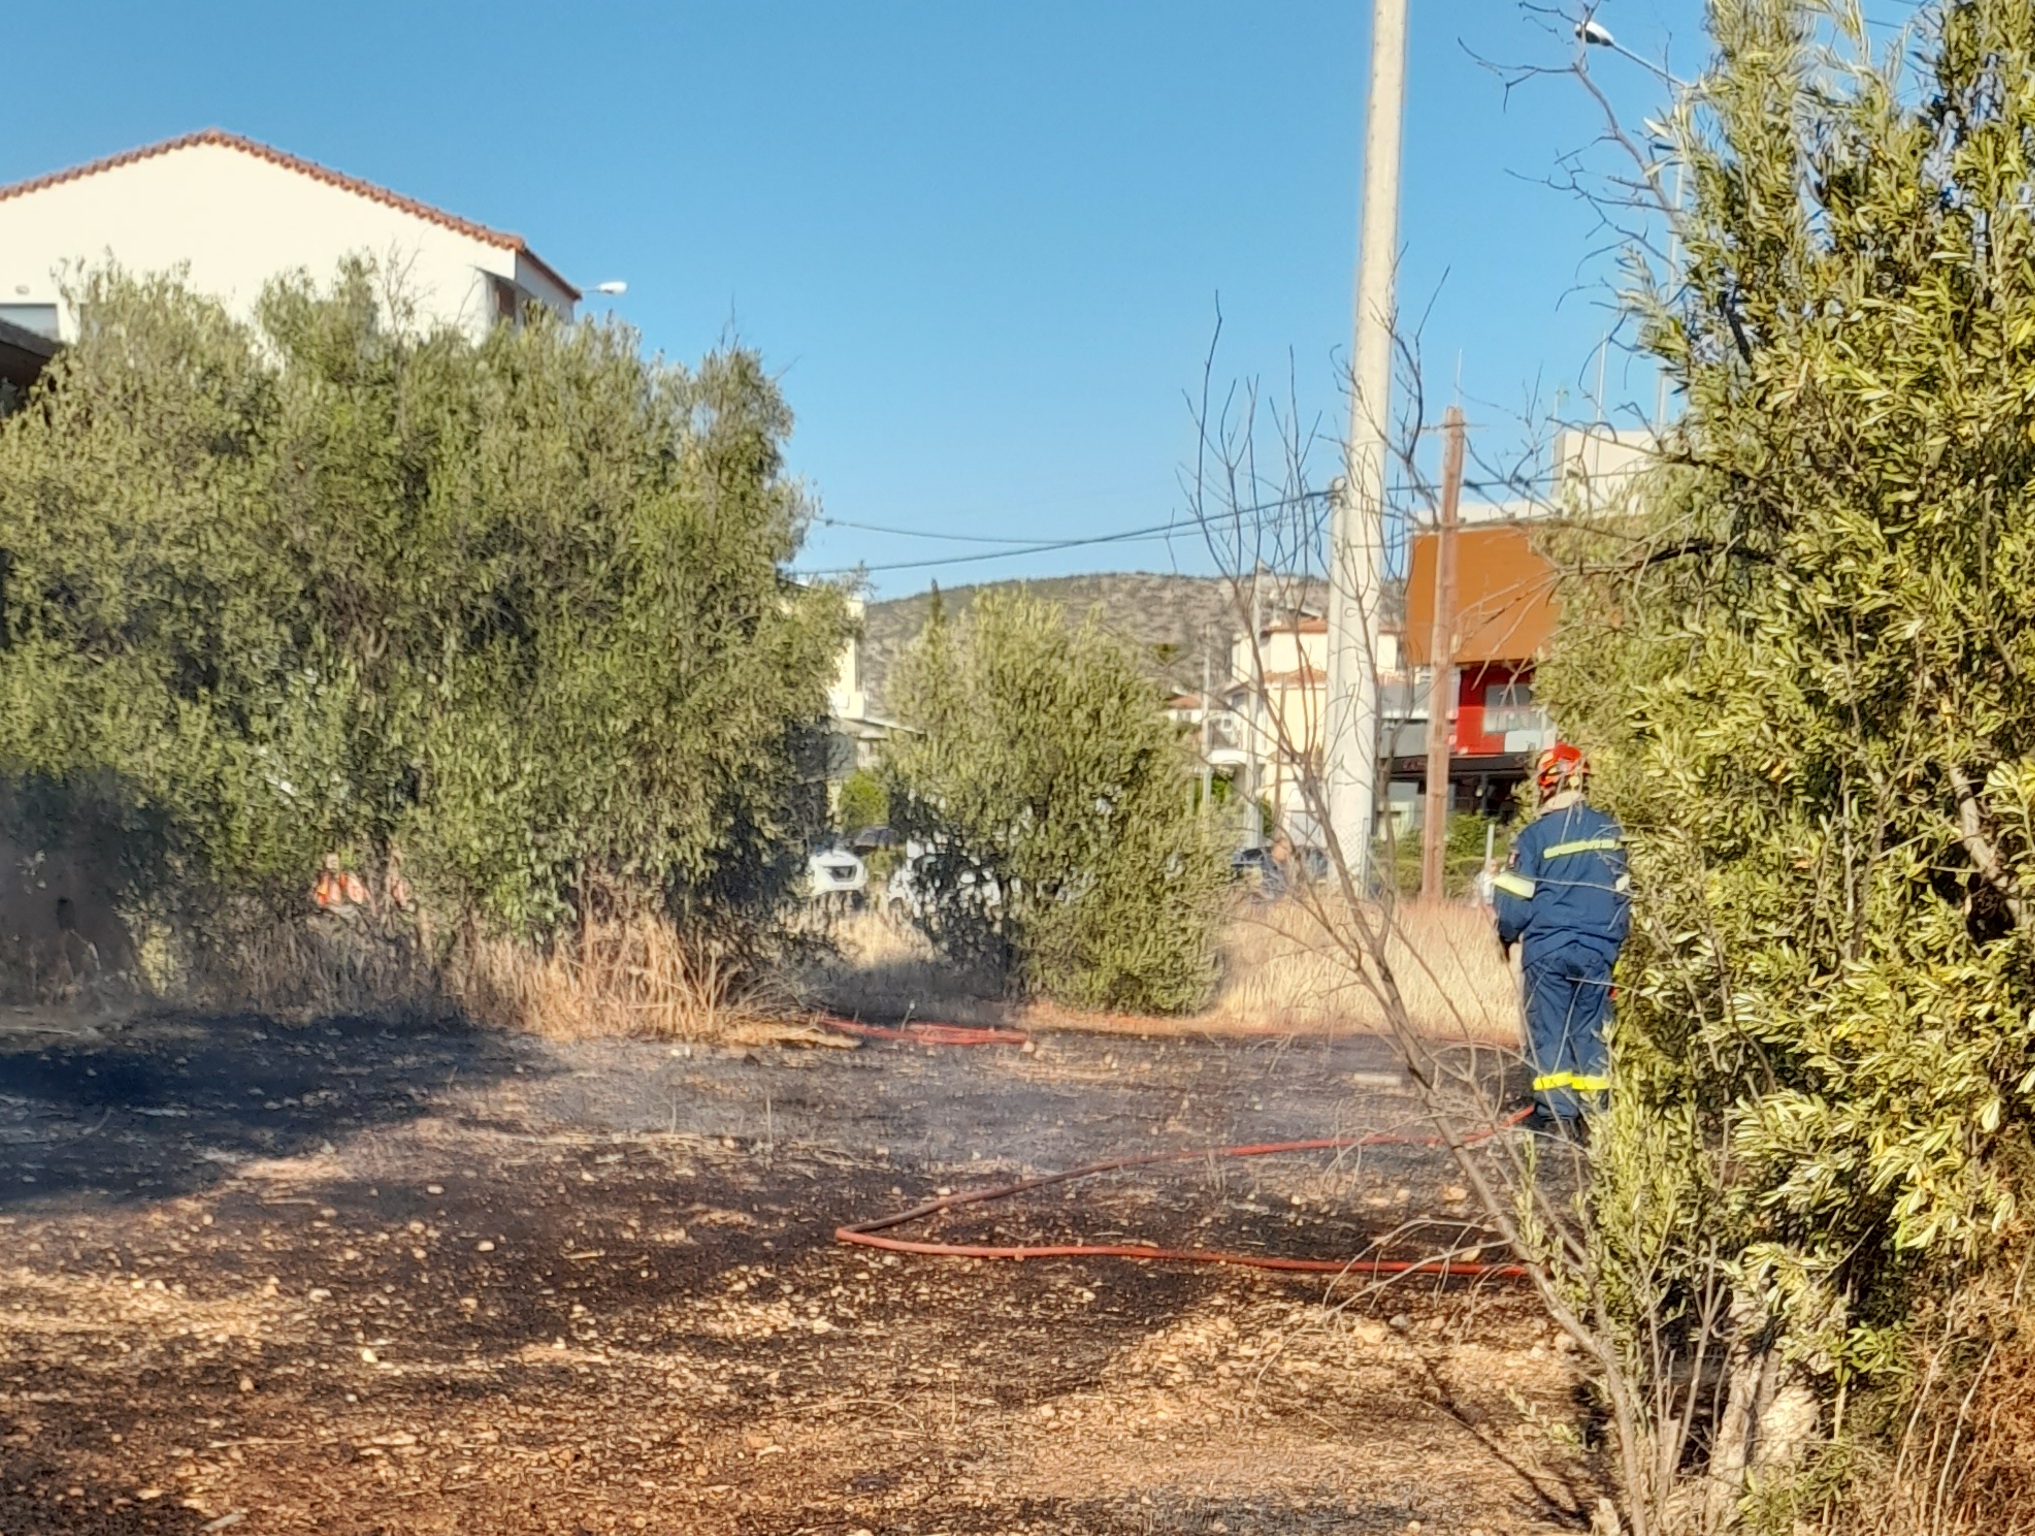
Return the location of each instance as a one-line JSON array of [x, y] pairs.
[[981, 244]]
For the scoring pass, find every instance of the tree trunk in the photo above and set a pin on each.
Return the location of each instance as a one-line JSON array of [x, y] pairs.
[[1770, 1417]]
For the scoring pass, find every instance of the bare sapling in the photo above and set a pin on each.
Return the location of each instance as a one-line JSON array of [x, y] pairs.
[[1669, 1362]]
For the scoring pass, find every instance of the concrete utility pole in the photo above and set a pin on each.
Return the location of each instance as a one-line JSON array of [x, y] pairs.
[[1357, 539], [1207, 722], [1255, 838], [1441, 656]]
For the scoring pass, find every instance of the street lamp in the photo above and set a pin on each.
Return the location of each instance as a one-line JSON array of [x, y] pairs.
[[611, 290], [1594, 34]]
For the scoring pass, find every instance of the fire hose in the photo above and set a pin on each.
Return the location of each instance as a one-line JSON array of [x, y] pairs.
[[867, 1234], [927, 1034]]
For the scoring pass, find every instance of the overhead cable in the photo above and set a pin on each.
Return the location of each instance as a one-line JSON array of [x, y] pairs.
[[1124, 536]]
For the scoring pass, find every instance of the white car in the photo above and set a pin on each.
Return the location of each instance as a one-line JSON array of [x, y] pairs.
[[836, 877]]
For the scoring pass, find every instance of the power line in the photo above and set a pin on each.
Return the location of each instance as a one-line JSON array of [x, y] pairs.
[[1004, 554], [1128, 536], [1124, 536], [1154, 533], [1017, 548], [916, 533], [1035, 546]]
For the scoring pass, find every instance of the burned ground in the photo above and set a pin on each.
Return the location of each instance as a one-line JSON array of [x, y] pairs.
[[345, 1277]]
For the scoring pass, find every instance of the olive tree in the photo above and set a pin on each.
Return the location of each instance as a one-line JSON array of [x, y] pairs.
[[1806, 667], [510, 612], [1055, 803]]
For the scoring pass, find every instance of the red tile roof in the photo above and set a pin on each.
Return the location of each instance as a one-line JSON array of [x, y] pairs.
[[1305, 624], [367, 189]]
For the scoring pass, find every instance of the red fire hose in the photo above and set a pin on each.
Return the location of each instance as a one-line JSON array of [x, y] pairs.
[[927, 1034], [864, 1234]]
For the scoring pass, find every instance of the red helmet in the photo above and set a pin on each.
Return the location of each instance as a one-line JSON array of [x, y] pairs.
[[1561, 767]]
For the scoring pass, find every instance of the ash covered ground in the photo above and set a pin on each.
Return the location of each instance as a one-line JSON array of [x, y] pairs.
[[348, 1277]]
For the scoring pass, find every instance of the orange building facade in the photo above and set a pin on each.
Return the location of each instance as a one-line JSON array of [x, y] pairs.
[[1505, 611]]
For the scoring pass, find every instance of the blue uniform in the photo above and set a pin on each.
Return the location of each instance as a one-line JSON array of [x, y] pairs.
[[1565, 898]]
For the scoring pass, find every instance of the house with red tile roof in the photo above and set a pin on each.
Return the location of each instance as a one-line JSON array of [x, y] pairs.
[[232, 215]]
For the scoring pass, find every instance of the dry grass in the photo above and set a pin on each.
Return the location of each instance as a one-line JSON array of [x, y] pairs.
[[620, 978], [635, 978], [1999, 1481], [1282, 974], [245, 955], [1961, 1465], [887, 972]]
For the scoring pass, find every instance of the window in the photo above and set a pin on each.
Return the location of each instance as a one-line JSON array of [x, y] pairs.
[[39, 318], [509, 300], [1509, 707]]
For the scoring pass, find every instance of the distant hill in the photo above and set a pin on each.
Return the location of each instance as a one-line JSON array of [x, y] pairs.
[[1173, 621]]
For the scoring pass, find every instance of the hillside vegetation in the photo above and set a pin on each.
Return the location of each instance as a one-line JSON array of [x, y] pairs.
[[1170, 622]]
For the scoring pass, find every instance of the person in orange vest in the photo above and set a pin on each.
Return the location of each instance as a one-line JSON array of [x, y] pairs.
[[338, 887]]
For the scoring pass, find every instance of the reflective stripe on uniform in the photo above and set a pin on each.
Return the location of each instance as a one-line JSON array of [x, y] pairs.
[[1581, 1082], [1584, 845], [1513, 884]]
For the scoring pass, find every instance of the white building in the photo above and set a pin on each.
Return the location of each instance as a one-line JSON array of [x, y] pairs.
[[1596, 468], [856, 735], [233, 215], [1267, 726]]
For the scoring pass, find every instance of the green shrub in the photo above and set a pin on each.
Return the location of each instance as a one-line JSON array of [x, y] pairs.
[[1041, 762], [512, 611], [1462, 854], [862, 802], [1803, 666]]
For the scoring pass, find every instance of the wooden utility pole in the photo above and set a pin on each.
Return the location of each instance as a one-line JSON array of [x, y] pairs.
[[1441, 655]]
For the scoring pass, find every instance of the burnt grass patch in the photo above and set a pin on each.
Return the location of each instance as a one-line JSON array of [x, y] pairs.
[[347, 1276]]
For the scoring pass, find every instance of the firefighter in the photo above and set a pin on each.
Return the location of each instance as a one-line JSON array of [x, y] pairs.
[[1564, 897]]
